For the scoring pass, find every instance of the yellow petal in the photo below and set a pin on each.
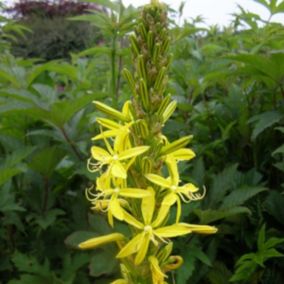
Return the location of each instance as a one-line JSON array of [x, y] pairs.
[[100, 154], [201, 229], [131, 247], [168, 201], [173, 170], [173, 231], [164, 183], [170, 148], [132, 221], [175, 261], [121, 141], [105, 134], [178, 210], [115, 208], [132, 152], [126, 109], [169, 111], [100, 205], [110, 124], [157, 274], [119, 281], [98, 241], [189, 187], [183, 154], [110, 218], [117, 170], [148, 206], [110, 111], [134, 192], [108, 146], [143, 249], [103, 181]]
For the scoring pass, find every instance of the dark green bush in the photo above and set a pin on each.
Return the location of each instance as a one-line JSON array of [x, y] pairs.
[[52, 35]]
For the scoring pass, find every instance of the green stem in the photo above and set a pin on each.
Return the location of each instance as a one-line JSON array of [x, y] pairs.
[[119, 73], [45, 194], [71, 143], [113, 71]]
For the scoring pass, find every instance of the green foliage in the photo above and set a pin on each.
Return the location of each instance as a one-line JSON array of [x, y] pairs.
[[247, 265], [50, 35], [229, 88]]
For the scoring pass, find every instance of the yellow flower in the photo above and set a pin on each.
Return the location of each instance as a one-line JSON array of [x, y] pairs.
[[157, 274], [114, 129], [125, 115], [112, 195], [150, 230], [176, 192], [175, 150], [98, 241], [113, 158]]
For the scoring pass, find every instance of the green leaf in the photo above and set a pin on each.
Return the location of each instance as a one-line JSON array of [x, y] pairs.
[[99, 224], [48, 218], [239, 196], [7, 173], [279, 150], [54, 66], [62, 111], [185, 272], [219, 274], [272, 242], [98, 50], [200, 255], [25, 263], [261, 237], [209, 216], [221, 184], [17, 156], [279, 8], [33, 279], [46, 160], [9, 78], [244, 271], [103, 263], [71, 265], [263, 121], [273, 205], [7, 201]]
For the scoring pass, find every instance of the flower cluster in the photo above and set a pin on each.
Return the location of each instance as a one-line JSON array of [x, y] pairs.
[[139, 180]]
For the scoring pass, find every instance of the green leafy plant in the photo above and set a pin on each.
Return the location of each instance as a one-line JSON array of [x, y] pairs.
[[249, 264]]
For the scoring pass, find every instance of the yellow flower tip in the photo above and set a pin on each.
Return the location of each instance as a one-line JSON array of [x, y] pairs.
[[119, 281], [202, 229], [98, 241], [158, 275], [175, 262]]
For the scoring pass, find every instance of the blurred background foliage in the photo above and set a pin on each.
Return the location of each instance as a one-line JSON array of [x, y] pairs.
[[229, 84], [51, 35]]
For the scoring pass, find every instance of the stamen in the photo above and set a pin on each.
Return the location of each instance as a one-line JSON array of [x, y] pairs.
[[148, 229], [174, 187], [116, 190]]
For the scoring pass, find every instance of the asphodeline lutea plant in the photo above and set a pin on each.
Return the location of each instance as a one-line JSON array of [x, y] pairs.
[[139, 180]]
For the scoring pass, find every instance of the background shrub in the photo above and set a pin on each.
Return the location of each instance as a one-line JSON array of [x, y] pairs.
[[52, 35]]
